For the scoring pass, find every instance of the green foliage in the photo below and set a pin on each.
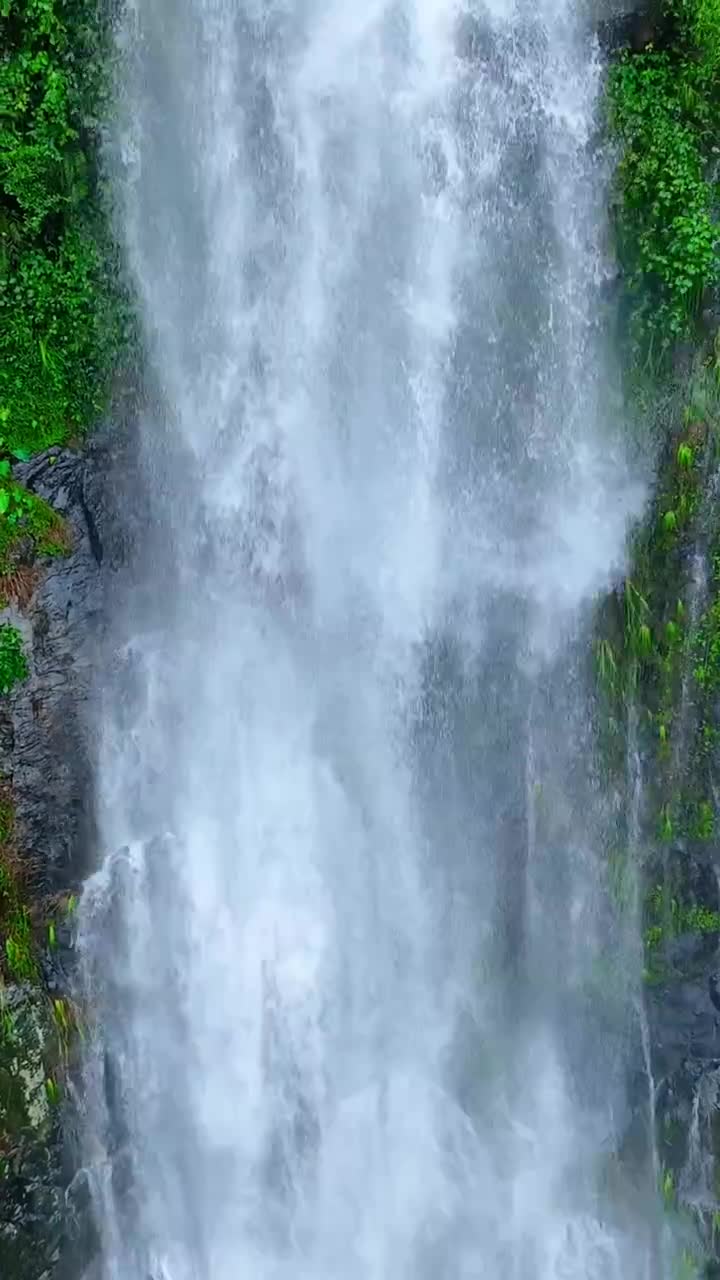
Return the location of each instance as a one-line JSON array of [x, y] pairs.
[[54, 342], [662, 109], [707, 641], [607, 666], [16, 929], [685, 456], [13, 662], [653, 936], [52, 1091], [668, 918], [7, 817], [701, 20], [19, 946], [24, 517], [699, 919], [17, 951], [60, 320], [705, 822]]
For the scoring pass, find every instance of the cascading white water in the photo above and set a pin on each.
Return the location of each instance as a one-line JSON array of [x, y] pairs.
[[351, 890]]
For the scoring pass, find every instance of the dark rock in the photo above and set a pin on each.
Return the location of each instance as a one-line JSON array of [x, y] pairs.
[[47, 742], [47, 764], [632, 27], [45, 731], [31, 1211]]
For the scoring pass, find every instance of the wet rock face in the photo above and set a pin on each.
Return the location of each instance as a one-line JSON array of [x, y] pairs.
[[46, 749], [45, 730], [684, 1003], [44, 752], [683, 1007], [31, 1194], [46, 1232], [44, 759], [630, 24]]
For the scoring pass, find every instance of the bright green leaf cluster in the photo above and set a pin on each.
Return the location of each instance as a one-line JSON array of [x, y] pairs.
[[662, 107], [60, 321], [670, 919]]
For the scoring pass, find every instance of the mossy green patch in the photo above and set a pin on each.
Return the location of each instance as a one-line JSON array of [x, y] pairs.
[[25, 516], [28, 528]]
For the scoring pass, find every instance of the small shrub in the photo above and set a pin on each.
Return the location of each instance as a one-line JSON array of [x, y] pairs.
[[13, 662]]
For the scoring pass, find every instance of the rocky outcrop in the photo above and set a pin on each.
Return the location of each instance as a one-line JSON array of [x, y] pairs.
[[622, 24], [46, 748], [43, 747], [31, 1220], [661, 672]]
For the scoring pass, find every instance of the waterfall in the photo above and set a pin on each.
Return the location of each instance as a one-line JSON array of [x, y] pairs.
[[350, 891]]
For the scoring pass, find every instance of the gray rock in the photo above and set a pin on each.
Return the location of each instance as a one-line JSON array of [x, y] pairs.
[[44, 753], [685, 1026], [46, 734], [47, 745]]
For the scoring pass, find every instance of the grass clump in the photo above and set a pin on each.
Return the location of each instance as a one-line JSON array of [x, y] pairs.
[[18, 960]]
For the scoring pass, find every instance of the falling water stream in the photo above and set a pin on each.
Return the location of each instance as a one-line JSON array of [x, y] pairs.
[[350, 899]]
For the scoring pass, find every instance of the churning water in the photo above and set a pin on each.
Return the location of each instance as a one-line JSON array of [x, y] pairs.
[[344, 942]]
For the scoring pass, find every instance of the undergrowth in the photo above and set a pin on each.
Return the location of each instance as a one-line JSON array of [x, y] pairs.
[[63, 317], [658, 666], [664, 107], [60, 318]]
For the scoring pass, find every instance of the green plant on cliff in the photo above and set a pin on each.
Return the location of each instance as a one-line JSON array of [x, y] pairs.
[[707, 640], [667, 918], [663, 111], [13, 662], [701, 19], [26, 521], [17, 949], [60, 322], [19, 946]]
